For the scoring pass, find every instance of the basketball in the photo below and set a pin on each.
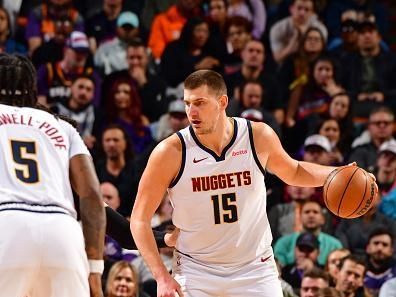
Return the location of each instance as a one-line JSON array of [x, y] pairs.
[[349, 192]]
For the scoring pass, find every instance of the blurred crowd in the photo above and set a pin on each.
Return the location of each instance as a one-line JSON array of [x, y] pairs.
[[321, 73]]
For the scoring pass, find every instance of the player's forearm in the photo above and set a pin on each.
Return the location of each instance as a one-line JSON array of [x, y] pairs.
[[93, 220], [310, 174], [144, 238], [117, 227]]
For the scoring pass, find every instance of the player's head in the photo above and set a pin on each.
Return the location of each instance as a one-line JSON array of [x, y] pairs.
[[17, 81], [205, 96]]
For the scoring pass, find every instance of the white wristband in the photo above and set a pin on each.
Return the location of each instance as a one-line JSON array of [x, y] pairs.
[[96, 266]]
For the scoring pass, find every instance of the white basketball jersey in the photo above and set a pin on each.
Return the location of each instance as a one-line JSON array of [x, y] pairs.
[[35, 149], [220, 201]]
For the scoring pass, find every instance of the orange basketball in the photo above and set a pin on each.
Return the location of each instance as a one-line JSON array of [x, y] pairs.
[[349, 192]]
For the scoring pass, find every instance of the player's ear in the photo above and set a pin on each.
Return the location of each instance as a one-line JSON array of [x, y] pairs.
[[223, 100]]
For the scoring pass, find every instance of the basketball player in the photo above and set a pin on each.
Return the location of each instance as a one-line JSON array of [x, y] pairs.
[[214, 171], [42, 249]]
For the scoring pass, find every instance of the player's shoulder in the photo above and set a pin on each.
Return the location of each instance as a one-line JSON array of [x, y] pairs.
[[171, 146]]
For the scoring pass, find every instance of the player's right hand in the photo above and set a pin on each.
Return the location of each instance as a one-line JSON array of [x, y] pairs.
[[168, 287]]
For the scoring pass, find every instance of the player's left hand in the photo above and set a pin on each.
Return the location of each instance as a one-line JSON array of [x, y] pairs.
[[95, 285], [171, 238]]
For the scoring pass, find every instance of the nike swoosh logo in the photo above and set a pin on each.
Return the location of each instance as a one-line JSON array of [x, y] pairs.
[[199, 160]]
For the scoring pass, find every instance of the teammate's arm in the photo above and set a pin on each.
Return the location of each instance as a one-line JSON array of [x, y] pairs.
[[162, 168], [85, 182], [272, 156], [118, 228]]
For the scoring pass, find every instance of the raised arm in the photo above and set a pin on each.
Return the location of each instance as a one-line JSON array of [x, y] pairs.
[[85, 182], [272, 156], [162, 167]]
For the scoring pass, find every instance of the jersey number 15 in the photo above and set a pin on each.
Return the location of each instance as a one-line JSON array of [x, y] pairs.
[[225, 208]]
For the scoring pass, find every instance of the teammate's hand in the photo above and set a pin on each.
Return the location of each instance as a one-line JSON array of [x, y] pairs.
[[171, 238], [168, 287], [95, 284]]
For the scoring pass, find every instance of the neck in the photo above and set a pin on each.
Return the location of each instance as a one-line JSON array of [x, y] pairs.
[[251, 72], [218, 139], [112, 11]]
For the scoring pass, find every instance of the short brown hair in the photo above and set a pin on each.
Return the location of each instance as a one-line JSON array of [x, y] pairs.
[[213, 80], [317, 273]]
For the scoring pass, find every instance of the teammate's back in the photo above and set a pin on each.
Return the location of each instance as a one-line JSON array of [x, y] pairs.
[[43, 249], [35, 146]]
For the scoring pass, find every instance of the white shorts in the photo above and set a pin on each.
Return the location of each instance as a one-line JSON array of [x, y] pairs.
[[257, 278], [42, 254]]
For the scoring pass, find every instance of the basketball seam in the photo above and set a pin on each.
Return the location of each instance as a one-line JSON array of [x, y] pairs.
[[328, 184], [342, 197], [361, 201]]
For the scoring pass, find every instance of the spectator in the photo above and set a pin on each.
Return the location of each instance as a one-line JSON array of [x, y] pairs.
[[386, 177], [217, 20], [312, 219], [252, 103], [340, 109], [54, 79], [151, 88], [253, 11], [124, 108], [380, 129], [331, 129], [238, 32], [285, 34], [348, 43], [317, 149], [381, 265], [306, 253], [295, 69], [354, 233], [386, 167], [7, 43], [102, 26], [313, 280], [118, 167], [123, 280], [285, 218], [350, 277], [152, 8], [110, 195], [41, 27], [369, 74], [193, 50], [80, 108], [312, 96], [111, 55], [333, 262], [171, 122], [167, 25], [253, 57], [52, 50]]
